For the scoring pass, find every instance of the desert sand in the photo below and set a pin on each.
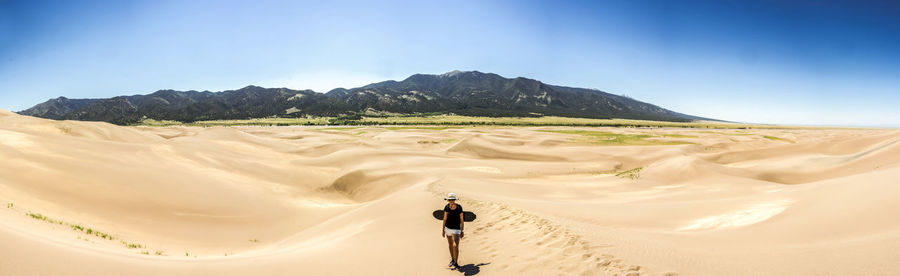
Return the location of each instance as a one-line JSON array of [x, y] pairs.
[[358, 201]]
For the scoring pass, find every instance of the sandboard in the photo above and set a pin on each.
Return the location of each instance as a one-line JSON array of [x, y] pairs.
[[467, 216]]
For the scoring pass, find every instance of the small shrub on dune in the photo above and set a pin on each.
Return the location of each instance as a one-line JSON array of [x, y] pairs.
[[631, 174], [76, 227], [132, 245], [37, 216]]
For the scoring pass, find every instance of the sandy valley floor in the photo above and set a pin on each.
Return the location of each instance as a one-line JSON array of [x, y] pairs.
[[88, 198]]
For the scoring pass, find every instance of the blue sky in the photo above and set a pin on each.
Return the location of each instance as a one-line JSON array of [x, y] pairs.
[[784, 62]]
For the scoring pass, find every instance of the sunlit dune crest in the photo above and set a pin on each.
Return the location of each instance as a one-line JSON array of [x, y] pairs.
[[754, 214]]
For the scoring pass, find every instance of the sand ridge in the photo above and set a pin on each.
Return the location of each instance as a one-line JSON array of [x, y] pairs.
[[287, 200]]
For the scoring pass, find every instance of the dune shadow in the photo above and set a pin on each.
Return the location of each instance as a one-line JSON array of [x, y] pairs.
[[471, 269]]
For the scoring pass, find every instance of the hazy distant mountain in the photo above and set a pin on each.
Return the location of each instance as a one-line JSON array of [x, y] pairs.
[[186, 106], [465, 93], [57, 108]]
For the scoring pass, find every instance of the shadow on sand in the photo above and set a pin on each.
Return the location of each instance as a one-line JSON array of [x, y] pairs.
[[471, 269]]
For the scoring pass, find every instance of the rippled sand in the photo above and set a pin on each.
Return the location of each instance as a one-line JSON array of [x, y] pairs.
[[358, 201]]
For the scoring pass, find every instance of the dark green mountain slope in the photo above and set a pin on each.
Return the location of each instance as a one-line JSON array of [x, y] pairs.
[[465, 93]]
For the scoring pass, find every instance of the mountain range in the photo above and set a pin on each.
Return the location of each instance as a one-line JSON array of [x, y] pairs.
[[459, 92]]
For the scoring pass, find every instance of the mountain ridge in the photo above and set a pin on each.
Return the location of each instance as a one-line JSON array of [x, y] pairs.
[[460, 92]]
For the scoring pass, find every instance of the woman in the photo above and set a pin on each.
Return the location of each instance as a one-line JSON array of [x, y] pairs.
[[453, 227]]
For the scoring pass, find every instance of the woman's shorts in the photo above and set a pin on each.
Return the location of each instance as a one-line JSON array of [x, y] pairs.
[[450, 232]]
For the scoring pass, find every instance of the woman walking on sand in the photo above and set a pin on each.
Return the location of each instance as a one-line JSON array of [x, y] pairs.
[[452, 228]]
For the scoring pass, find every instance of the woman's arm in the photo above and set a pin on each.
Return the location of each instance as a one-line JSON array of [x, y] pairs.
[[462, 223], [444, 223]]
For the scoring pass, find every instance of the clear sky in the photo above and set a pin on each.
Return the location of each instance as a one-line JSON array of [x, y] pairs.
[[786, 62]]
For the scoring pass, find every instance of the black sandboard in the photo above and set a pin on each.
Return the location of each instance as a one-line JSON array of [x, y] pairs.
[[467, 216]]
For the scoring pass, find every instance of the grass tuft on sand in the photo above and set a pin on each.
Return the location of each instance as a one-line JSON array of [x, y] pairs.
[[39, 216], [632, 174], [132, 245], [778, 139], [83, 229]]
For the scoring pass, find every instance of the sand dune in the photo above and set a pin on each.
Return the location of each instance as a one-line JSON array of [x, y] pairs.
[[88, 198]]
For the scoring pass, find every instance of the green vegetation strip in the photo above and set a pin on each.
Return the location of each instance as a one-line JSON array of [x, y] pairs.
[[444, 141], [247, 122], [458, 120], [339, 128], [778, 139], [421, 127], [678, 136], [616, 139], [726, 133]]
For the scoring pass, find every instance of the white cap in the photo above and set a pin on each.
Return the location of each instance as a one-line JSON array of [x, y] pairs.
[[450, 196]]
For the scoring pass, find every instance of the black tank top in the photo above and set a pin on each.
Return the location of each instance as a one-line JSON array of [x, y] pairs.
[[453, 216]]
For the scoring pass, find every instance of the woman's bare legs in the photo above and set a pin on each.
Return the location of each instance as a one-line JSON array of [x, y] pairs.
[[450, 245], [453, 243]]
